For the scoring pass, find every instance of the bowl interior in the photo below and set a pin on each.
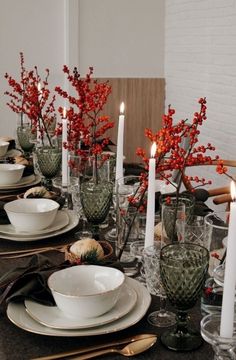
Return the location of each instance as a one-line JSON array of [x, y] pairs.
[[31, 206], [85, 280]]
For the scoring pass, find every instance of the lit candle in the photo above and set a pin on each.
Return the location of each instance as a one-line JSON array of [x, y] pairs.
[[227, 312], [150, 216], [120, 143], [64, 151]]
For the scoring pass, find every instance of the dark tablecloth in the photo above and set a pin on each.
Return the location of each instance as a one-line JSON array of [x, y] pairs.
[[18, 344]]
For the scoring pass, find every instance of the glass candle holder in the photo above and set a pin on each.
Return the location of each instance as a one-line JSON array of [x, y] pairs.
[[210, 331]]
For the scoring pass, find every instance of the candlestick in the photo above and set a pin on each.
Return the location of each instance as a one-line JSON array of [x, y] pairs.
[[38, 132], [120, 143], [64, 151], [150, 216], [227, 312]]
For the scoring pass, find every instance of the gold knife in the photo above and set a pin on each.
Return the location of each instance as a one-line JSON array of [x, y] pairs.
[[96, 347]]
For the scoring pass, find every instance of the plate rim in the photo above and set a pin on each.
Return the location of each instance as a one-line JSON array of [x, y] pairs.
[[73, 222], [132, 297], [138, 313], [36, 181]]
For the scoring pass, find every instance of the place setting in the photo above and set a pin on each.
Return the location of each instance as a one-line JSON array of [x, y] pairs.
[[126, 303]]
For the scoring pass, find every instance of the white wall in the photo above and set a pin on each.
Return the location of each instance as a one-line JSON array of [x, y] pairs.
[[200, 60], [38, 29], [122, 38]]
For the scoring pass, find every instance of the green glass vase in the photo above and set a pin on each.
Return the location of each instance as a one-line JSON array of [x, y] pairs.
[[49, 164]]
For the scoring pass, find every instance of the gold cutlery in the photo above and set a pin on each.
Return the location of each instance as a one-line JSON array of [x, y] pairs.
[[27, 252], [132, 349], [94, 348]]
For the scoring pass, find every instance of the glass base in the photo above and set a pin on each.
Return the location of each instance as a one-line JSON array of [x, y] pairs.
[[79, 235], [162, 318], [180, 341], [224, 348]]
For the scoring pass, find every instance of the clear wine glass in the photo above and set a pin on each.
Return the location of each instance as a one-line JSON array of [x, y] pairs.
[[151, 264]]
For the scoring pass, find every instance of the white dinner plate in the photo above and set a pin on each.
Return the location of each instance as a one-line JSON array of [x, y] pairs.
[[61, 220], [26, 181], [73, 222], [17, 313], [53, 317]]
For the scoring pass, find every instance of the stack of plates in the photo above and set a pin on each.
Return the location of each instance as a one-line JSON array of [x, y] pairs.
[[132, 305], [24, 182], [65, 220]]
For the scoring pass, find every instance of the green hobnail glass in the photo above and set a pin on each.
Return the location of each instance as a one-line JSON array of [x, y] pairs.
[[96, 200], [183, 271], [25, 138], [49, 163]]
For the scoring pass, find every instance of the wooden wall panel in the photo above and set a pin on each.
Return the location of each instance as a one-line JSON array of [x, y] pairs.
[[144, 107]]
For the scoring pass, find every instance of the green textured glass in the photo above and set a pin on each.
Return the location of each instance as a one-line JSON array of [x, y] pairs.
[[183, 271], [25, 137], [49, 163], [96, 200]]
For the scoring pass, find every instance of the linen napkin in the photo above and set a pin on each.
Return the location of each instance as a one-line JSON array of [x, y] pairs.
[[30, 280]]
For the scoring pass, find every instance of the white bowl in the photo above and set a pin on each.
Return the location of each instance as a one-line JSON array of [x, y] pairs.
[[3, 147], [31, 214], [10, 173], [86, 291]]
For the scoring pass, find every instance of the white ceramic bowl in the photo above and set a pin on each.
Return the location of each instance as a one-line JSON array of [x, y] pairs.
[[10, 173], [3, 147], [31, 214], [86, 291]]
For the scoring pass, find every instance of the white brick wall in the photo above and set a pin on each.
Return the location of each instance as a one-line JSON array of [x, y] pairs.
[[200, 60]]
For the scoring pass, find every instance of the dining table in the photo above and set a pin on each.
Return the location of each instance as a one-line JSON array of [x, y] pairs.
[[17, 343]]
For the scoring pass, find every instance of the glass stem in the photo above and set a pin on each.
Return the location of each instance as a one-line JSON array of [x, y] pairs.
[[182, 322], [223, 354], [162, 303]]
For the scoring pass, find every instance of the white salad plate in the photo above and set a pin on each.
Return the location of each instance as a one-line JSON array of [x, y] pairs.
[[18, 315], [61, 220], [73, 222], [24, 182], [53, 317]]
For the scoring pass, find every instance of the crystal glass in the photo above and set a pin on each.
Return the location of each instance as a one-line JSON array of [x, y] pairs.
[[183, 271], [96, 201], [224, 348], [194, 231], [151, 265], [136, 250], [49, 163]]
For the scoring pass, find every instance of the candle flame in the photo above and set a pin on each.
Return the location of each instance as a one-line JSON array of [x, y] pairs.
[[64, 113], [233, 190], [122, 107], [153, 149]]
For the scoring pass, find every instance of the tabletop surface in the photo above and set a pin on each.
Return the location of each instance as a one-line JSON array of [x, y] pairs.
[[18, 344]]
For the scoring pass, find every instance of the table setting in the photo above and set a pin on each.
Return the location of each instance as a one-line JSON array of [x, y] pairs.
[[70, 289]]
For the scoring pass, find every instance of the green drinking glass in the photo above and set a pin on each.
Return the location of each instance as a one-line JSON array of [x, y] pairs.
[[183, 270]]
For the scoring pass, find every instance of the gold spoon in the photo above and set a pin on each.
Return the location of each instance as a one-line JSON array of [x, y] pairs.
[[131, 349], [94, 348]]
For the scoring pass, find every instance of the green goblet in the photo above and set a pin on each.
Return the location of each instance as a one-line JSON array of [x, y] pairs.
[[183, 270]]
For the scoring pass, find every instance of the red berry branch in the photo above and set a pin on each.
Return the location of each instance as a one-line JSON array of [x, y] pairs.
[[26, 98]]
